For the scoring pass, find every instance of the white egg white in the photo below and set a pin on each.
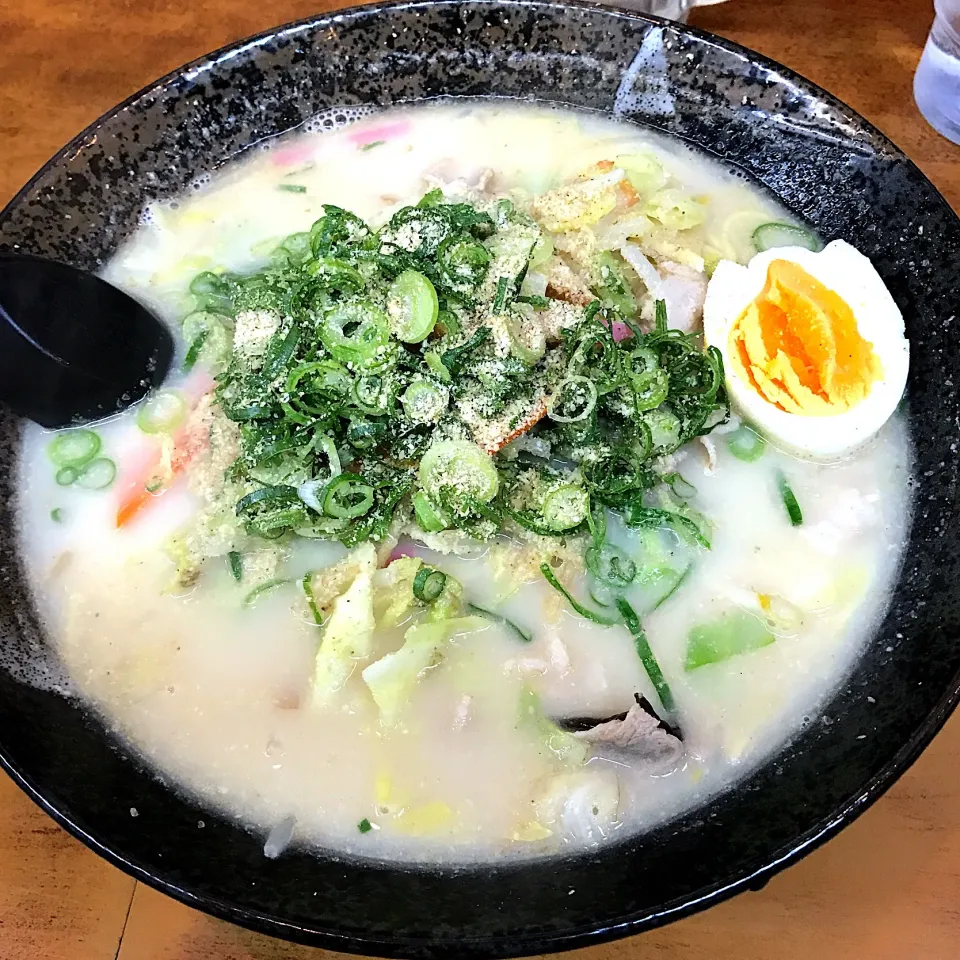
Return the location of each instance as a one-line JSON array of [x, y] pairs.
[[851, 275]]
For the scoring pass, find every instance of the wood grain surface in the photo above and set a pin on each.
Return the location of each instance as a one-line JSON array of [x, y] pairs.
[[888, 888]]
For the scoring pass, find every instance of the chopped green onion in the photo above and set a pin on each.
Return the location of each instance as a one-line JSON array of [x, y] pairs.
[[616, 478], [601, 593], [330, 450], [681, 487], [500, 300], [347, 496], [307, 587], [321, 529], [371, 394], [428, 584], [678, 582], [566, 507], [56, 515], [610, 565], [519, 632], [66, 476], [292, 187], [460, 469], [578, 607], [645, 653], [97, 474], [260, 589], [274, 524], [425, 401], [637, 515], [365, 434], [207, 339], [448, 325], [356, 331], [436, 365], [665, 429], [413, 307], [534, 300], [642, 360], [365, 148], [162, 412], [336, 229], [212, 293], [430, 517], [746, 444], [573, 399], [530, 522], [297, 247], [660, 316], [365, 826], [730, 636], [613, 286], [335, 274], [73, 448], [527, 341], [789, 499], [770, 235], [235, 562], [280, 350], [455, 358], [325, 379], [597, 522], [462, 262], [650, 389], [280, 493], [193, 352]]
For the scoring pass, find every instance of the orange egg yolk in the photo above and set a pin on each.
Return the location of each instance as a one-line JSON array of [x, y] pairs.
[[797, 344]]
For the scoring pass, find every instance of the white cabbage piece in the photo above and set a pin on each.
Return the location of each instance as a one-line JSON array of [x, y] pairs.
[[393, 590], [564, 745], [392, 679], [348, 634], [578, 205]]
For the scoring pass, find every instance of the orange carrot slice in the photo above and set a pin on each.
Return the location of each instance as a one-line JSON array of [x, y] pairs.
[[160, 470]]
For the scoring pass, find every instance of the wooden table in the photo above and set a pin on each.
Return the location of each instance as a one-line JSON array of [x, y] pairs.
[[887, 888]]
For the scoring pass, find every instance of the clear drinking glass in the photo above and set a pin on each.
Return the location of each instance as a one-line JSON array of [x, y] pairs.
[[936, 86]]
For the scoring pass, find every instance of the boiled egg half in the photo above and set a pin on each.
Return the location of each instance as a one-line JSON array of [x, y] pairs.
[[813, 346]]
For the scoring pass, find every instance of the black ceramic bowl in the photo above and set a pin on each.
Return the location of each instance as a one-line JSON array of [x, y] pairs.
[[824, 162]]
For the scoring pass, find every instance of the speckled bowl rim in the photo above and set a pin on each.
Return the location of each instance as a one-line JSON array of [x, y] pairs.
[[291, 26], [518, 945]]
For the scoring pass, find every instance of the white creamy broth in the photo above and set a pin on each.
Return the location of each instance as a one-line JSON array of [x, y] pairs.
[[216, 692]]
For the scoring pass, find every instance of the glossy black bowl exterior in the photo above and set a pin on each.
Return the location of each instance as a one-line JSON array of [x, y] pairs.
[[825, 163]]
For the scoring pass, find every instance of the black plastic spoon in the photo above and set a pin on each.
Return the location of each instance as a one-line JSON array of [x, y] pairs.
[[73, 348]]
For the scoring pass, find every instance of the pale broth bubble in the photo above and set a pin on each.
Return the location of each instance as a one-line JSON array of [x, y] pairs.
[[336, 118]]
